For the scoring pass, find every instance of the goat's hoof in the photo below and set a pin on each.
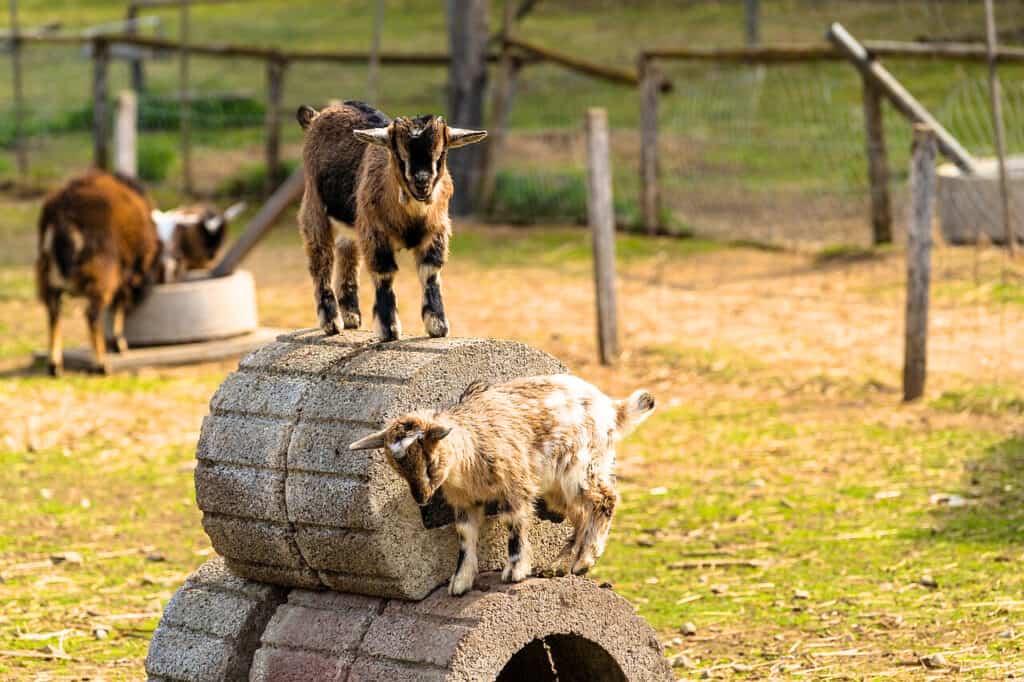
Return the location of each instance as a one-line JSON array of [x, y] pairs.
[[457, 587], [55, 370], [436, 325], [389, 332], [515, 574], [350, 319], [582, 566]]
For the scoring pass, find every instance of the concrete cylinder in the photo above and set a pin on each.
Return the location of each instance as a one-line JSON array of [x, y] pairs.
[[285, 501], [565, 629]]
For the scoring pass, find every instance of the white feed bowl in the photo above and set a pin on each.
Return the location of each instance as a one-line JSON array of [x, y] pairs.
[[199, 308]]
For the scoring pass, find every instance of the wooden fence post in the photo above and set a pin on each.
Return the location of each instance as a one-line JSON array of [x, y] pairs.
[[19, 99], [137, 64], [878, 164], [373, 64], [185, 108], [501, 105], [100, 104], [650, 195], [919, 250], [995, 97], [752, 21], [125, 134], [601, 215], [275, 92]]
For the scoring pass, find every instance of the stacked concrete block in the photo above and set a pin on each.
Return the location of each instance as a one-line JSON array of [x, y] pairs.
[[211, 627], [541, 630], [285, 501], [330, 571]]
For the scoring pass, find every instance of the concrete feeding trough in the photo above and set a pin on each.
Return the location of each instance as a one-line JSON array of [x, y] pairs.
[[971, 205], [221, 627], [285, 501]]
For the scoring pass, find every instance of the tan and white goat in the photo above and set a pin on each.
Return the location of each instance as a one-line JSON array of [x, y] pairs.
[[550, 437]]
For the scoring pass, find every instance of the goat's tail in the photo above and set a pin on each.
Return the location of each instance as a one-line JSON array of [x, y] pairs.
[[629, 413]]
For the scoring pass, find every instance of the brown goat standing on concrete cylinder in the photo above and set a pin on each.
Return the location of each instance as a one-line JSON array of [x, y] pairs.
[[548, 437], [97, 239], [387, 179]]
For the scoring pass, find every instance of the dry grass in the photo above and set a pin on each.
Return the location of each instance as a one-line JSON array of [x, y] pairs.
[[781, 475]]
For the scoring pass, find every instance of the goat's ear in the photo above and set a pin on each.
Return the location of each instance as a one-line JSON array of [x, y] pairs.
[[234, 210], [437, 432], [460, 137], [371, 442], [305, 115], [377, 136]]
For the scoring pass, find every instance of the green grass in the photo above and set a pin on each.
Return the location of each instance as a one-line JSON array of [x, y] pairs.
[[993, 400]]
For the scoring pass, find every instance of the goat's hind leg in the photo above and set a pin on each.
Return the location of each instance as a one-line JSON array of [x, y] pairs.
[[55, 363], [520, 551], [346, 280], [430, 258], [467, 524], [317, 235]]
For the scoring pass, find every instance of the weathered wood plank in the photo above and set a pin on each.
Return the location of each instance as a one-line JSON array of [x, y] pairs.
[[901, 98]]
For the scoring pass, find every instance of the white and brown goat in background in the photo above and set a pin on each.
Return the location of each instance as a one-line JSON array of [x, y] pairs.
[[389, 180], [98, 239], [551, 438]]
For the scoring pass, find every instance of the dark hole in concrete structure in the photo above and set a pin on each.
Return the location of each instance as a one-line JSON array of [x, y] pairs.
[[561, 658]]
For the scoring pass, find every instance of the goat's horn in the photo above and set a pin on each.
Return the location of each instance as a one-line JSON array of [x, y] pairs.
[[377, 136], [371, 442], [234, 210], [460, 137]]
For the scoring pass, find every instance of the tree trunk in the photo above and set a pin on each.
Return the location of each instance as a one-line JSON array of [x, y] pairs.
[[467, 86]]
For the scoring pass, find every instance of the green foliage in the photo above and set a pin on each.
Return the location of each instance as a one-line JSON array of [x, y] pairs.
[[158, 112], [155, 156], [530, 198], [250, 181]]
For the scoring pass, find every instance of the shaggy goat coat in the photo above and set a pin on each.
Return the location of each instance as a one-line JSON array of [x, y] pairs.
[[389, 180], [550, 438]]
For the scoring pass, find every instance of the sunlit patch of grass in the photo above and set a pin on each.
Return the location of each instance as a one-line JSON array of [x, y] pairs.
[[990, 399]]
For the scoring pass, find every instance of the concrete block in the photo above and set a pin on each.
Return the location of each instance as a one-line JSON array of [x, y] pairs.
[[284, 498]]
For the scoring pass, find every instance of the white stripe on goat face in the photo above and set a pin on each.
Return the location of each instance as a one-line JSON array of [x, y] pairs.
[[398, 449]]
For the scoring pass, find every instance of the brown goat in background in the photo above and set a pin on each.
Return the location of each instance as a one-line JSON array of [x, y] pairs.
[[97, 239], [389, 180]]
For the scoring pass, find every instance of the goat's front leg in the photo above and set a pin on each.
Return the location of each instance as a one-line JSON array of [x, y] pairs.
[[467, 525], [520, 552], [599, 500], [430, 258], [117, 323], [380, 260]]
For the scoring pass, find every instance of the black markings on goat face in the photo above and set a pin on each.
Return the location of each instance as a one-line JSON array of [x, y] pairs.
[[410, 444], [419, 147]]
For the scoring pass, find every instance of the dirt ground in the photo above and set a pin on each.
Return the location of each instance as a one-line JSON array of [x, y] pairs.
[[780, 443]]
